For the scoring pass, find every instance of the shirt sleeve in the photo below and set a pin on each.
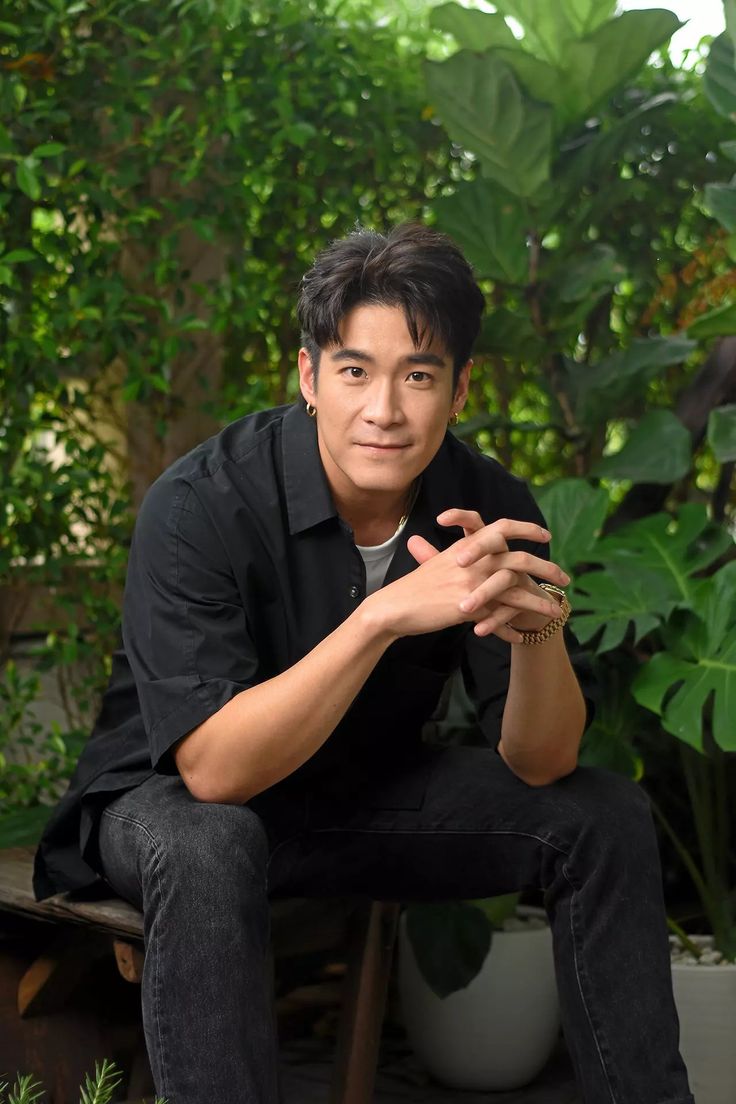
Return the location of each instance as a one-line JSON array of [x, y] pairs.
[[184, 625]]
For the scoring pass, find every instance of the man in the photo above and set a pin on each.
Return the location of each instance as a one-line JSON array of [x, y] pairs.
[[300, 588]]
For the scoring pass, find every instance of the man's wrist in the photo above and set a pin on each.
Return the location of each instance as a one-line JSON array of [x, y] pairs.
[[374, 615]]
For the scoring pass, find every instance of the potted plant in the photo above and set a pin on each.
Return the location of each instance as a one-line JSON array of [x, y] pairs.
[[478, 991]]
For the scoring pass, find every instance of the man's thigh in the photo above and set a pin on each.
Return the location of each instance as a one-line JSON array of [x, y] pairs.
[[469, 827]]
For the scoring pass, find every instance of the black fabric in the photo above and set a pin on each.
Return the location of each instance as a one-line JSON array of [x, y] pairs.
[[239, 566]]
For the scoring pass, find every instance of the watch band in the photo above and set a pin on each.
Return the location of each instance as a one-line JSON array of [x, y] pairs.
[[538, 636]]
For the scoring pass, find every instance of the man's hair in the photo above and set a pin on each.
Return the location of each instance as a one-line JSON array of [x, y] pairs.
[[417, 269]]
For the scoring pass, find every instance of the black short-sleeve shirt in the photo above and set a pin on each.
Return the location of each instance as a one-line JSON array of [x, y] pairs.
[[239, 566]]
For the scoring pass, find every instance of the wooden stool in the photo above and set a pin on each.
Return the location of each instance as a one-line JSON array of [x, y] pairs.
[[89, 930]]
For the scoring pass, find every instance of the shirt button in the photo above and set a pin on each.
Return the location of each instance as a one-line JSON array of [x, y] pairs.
[[354, 591]]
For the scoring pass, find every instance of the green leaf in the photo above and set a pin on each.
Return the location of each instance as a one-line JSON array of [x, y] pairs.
[[729, 7], [16, 256], [711, 674], [613, 599], [614, 53], [674, 548], [450, 943], [601, 748], [540, 79], [49, 149], [574, 512], [729, 149], [474, 30], [9, 29], [588, 274], [23, 827], [657, 450], [547, 27], [497, 909], [27, 180], [490, 227], [716, 323], [719, 81], [722, 433], [618, 379], [485, 111], [720, 199]]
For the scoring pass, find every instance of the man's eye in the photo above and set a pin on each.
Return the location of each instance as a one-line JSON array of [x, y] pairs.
[[354, 372], [419, 377]]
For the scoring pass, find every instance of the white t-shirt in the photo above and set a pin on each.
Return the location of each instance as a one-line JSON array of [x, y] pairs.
[[376, 558]]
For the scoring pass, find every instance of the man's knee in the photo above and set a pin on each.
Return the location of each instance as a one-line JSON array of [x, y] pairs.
[[608, 802]]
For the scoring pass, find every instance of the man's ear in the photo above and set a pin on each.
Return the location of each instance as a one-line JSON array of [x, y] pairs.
[[307, 382], [461, 388]]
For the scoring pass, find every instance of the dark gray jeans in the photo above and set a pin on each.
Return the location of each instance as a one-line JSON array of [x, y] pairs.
[[459, 825]]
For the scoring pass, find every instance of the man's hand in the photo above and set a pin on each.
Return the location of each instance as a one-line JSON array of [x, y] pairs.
[[491, 611], [476, 579]]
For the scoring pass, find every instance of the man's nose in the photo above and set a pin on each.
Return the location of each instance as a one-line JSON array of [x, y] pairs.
[[383, 406]]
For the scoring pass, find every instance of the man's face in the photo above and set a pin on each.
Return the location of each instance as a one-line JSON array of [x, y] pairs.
[[382, 405]]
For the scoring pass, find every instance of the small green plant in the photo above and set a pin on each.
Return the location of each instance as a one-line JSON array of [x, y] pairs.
[[95, 1090]]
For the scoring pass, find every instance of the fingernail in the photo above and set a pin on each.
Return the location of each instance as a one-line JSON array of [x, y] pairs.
[[462, 559], [466, 604], [565, 578], [546, 532]]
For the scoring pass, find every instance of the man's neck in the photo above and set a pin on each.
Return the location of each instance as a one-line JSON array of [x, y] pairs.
[[375, 518]]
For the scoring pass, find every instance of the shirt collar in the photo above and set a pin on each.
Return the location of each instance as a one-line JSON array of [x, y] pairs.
[[308, 497]]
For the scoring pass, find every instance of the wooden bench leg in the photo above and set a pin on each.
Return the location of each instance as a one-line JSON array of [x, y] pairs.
[[366, 985]]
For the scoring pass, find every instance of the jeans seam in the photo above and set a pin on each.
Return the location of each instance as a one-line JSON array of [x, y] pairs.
[[578, 978], [157, 986]]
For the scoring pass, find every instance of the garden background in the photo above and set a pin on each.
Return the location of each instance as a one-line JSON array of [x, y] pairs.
[[167, 173]]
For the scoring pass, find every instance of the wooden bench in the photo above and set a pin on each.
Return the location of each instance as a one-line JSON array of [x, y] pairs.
[[68, 935]]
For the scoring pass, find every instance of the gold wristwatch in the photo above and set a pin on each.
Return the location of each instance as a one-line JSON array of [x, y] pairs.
[[538, 636]]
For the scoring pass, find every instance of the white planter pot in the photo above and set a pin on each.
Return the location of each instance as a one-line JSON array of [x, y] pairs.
[[705, 997], [497, 1033]]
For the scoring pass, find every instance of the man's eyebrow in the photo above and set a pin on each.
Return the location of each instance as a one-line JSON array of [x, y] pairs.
[[412, 358]]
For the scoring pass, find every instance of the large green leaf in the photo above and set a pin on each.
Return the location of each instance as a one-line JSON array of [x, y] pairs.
[[658, 450], [491, 228], [474, 30], [716, 323], [720, 199], [722, 433], [606, 59], [23, 827], [450, 942], [540, 79], [710, 674], [719, 81], [574, 512], [613, 599], [547, 27], [588, 274], [612, 384], [510, 334], [485, 111], [674, 548], [730, 13], [585, 15]]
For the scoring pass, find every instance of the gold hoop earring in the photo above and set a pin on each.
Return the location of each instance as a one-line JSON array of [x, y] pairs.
[[311, 410], [453, 419]]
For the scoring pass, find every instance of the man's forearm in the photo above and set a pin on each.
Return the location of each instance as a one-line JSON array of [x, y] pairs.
[[544, 717], [267, 731]]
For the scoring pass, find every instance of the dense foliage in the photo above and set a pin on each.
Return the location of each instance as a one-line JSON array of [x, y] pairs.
[[166, 173]]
